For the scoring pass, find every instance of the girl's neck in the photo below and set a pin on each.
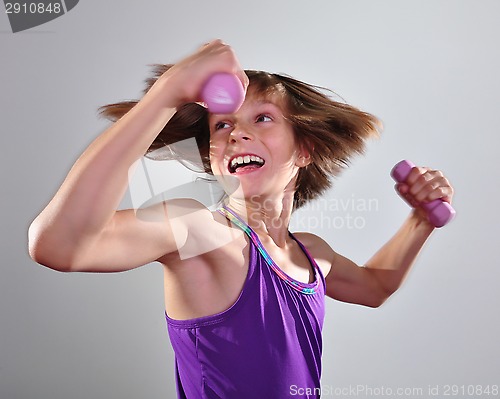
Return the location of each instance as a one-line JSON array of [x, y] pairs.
[[266, 216]]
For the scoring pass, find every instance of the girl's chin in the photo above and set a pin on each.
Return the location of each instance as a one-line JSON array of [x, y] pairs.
[[241, 188], [247, 180]]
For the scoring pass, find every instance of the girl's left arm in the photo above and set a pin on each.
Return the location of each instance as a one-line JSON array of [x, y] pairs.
[[384, 273]]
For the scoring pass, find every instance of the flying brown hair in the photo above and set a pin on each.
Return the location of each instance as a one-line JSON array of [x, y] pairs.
[[332, 132]]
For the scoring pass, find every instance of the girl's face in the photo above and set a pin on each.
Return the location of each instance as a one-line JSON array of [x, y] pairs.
[[253, 153]]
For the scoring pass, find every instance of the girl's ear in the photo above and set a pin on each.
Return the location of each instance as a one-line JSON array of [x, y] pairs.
[[303, 160], [304, 156]]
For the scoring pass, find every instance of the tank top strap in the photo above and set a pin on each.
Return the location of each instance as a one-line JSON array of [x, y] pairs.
[[304, 288]]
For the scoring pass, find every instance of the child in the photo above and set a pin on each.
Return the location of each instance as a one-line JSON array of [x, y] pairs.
[[244, 297]]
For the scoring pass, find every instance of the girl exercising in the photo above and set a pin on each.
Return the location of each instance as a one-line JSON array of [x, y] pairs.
[[244, 297]]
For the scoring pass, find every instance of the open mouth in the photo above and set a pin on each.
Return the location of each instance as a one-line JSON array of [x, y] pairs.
[[247, 162]]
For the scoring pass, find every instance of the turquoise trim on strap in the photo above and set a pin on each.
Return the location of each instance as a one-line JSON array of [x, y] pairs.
[[304, 288]]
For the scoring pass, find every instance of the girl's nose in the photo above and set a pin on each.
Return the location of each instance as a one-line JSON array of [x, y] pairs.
[[238, 133]]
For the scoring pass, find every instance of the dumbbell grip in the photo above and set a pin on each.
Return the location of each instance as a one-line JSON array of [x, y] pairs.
[[438, 211]]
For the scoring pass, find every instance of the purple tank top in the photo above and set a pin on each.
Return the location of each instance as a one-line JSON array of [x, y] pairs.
[[266, 345]]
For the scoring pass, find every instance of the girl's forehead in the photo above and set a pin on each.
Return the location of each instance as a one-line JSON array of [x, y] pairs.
[[260, 100], [271, 96], [257, 99]]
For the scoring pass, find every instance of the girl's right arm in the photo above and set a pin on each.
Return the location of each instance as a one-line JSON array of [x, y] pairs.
[[80, 229]]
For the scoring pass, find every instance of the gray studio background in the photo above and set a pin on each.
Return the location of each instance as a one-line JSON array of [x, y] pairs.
[[428, 69]]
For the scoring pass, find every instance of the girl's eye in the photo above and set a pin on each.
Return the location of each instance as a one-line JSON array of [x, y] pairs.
[[264, 118], [221, 125]]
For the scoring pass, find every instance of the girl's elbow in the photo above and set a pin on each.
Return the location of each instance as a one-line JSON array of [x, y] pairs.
[[379, 298], [45, 257], [379, 301], [44, 253]]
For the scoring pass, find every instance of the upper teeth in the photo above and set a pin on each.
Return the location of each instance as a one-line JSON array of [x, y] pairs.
[[237, 161]]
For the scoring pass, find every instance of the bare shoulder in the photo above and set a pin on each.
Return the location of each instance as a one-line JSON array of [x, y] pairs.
[[197, 230], [185, 207], [319, 249]]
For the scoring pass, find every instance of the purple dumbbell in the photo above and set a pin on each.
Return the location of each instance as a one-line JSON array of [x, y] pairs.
[[438, 211], [223, 93]]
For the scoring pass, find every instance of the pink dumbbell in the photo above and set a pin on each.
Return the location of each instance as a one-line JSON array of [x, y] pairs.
[[223, 93], [438, 211]]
